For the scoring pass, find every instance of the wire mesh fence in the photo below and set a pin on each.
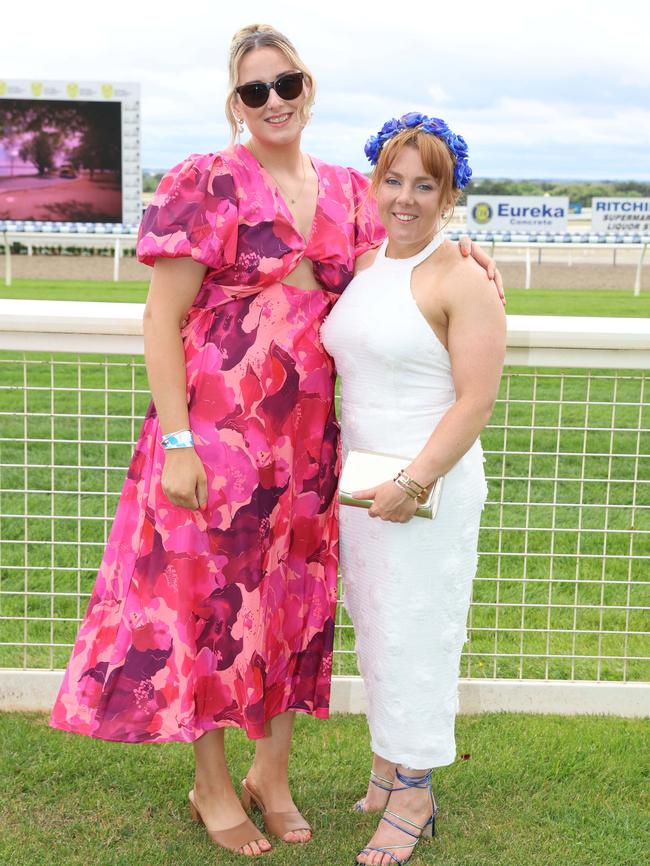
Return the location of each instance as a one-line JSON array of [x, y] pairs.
[[563, 586]]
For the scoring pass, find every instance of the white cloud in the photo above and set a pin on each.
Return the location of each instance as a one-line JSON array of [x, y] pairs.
[[555, 124], [439, 95], [526, 84]]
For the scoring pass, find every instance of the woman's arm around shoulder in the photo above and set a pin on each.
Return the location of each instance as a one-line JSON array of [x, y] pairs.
[[468, 247]]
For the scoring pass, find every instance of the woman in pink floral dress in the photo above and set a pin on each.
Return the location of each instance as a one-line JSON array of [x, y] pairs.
[[215, 600]]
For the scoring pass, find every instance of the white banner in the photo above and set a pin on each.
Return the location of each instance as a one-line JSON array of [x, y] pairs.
[[620, 215], [517, 213]]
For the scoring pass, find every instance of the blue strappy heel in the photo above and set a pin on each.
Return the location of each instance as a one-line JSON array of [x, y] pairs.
[[426, 830], [379, 782]]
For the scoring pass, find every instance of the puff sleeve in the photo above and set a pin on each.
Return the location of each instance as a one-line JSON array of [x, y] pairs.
[[368, 231], [193, 213]]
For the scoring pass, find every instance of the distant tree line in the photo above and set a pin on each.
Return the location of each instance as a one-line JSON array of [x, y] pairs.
[[579, 193], [150, 181]]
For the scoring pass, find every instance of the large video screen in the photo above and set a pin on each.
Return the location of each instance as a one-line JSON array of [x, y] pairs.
[[60, 160], [70, 151]]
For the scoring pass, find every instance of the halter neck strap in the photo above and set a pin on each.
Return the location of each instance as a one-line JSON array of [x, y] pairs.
[[413, 261]]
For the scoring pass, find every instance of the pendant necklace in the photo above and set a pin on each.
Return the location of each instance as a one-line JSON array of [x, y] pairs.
[[289, 198]]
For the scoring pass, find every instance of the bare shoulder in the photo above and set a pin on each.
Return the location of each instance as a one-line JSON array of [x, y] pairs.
[[462, 267], [463, 280]]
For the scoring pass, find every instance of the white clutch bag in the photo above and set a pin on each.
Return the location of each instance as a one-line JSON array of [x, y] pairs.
[[364, 469]]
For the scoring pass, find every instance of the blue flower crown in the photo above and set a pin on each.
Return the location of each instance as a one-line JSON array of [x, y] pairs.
[[432, 125]]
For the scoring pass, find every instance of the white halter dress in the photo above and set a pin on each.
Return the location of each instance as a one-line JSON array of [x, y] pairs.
[[407, 586]]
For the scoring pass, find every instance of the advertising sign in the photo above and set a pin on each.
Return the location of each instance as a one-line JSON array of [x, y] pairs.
[[620, 215], [70, 151], [517, 213]]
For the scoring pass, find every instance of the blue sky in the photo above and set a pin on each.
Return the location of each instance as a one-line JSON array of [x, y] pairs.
[[552, 90]]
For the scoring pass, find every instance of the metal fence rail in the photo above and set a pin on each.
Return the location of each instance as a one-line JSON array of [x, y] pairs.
[[120, 239], [563, 587]]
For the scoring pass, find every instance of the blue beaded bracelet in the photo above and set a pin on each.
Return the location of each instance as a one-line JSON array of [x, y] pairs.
[[179, 439]]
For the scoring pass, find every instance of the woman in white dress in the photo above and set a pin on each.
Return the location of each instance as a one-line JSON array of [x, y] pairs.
[[419, 345]]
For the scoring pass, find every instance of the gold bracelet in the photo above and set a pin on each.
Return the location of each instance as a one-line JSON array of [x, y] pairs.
[[412, 481], [402, 486], [414, 485]]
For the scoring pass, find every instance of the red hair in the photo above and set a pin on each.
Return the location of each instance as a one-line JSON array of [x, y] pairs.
[[437, 159]]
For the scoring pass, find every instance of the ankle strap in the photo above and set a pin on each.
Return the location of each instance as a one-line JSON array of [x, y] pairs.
[[388, 783], [415, 781]]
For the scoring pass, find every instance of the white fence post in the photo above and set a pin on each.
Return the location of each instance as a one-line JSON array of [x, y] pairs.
[[7, 259], [527, 283], [116, 261], [639, 269]]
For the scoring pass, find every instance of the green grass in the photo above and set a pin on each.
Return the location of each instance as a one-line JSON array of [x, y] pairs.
[[76, 290], [534, 302], [577, 302], [536, 791]]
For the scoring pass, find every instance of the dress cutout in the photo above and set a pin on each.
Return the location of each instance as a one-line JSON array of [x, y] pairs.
[[406, 586], [203, 619]]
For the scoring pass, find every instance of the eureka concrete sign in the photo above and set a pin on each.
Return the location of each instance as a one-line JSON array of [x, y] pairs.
[[517, 213]]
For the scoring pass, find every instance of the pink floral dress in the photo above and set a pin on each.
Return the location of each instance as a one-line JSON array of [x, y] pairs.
[[202, 619]]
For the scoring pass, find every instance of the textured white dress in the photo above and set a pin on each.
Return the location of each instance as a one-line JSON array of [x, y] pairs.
[[406, 586]]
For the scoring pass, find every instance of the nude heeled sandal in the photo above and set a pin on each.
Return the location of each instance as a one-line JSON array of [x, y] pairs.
[[276, 823], [233, 838]]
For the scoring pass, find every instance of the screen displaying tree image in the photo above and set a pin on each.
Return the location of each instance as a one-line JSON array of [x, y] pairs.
[[60, 160]]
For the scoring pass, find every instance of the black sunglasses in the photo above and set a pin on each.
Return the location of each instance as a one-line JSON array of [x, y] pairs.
[[256, 94]]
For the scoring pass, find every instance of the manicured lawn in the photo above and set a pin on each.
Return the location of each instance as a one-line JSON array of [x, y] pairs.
[[536, 791], [535, 302], [577, 302], [76, 290]]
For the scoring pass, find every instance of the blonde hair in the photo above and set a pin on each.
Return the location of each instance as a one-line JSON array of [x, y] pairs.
[[437, 159], [264, 36]]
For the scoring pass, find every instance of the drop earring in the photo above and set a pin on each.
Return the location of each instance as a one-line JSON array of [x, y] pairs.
[[240, 125]]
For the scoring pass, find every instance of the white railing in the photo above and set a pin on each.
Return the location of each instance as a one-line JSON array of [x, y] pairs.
[[563, 587], [506, 246]]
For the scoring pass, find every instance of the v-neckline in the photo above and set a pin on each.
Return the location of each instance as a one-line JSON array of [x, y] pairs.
[[281, 198]]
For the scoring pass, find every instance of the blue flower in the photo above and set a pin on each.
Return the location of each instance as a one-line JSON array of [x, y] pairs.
[[413, 118], [458, 145], [462, 173], [390, 128], [436, 126], [372, 149], [431, 125]]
